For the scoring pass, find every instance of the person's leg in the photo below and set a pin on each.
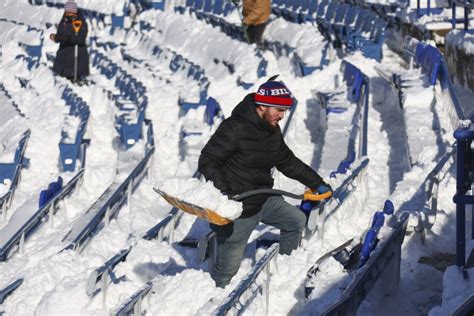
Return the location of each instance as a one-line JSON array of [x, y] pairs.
[[259, 29], [286, 217], [255, 32], [231, 242], [251, 33]]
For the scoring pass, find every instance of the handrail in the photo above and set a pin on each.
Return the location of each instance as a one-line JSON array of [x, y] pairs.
[[5, 200], [233, 299], [468, 6], [465, 309], [133, 305], [78, 239], [386, 255], [456, 113], [36, 218], [465, 165], [4, 293]]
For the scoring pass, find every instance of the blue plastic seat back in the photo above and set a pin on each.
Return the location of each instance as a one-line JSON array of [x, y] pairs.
[[189, 3], [354, 81], [420, 53], [218, 7], [48, 194], [7, 171], [351, 15], [208, 6], [212, 110], [304, 5], [331, 11], [432, 63], [228, 8], [322, 8], [296, 5], [362, 17], [313, 7], [198, 4], [341, 12], [279, 3]]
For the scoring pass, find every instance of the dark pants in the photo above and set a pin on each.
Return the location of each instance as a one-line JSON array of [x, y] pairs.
[[255, 32], [232, 238]]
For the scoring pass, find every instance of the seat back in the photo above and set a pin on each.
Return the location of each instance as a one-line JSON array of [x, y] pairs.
[[354, 80], [432, 63]]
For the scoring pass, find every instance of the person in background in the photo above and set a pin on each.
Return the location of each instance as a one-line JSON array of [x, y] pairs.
[[239, 157], [71, 36], [255, 16]]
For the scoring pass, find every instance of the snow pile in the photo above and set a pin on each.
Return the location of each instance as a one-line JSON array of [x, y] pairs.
[[203, 194], [325, 294], [13, 32], [210, 55], [305, 39], [12, 126], [456, 290], [69, 132], [463, 40], [35, 16]]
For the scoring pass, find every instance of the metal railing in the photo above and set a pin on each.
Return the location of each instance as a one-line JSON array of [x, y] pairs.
[[18, 239], [6, 199], [464, 195], [233, 302], [384, 260], [468, 6], [9, 289], [109, 203]]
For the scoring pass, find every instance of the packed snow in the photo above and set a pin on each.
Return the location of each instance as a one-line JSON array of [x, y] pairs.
[[202, 193]]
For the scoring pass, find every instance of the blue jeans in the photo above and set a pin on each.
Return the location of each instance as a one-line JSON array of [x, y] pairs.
[[232, 238]]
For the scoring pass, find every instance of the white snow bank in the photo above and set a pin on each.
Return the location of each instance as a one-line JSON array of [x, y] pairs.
[[21, 216], [456, 289], [463, 40], [202, 193], [305, 39]]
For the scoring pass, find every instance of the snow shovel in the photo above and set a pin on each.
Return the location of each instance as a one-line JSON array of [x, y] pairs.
[[213, 217], [76, 25]]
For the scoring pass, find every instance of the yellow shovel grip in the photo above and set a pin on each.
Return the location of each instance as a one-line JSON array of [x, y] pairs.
[[310, 196]]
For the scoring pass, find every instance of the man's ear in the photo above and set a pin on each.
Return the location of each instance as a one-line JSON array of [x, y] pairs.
[[260, 109]]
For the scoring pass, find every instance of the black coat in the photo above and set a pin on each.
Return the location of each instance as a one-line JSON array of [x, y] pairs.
[[240, 155], [66, 36]]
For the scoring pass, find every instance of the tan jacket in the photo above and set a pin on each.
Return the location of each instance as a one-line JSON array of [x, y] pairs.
[[256, 11]]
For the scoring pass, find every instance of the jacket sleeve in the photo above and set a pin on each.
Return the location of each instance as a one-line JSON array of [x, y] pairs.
[[253, 10], [222, 145], [294, 168], [67, 35]]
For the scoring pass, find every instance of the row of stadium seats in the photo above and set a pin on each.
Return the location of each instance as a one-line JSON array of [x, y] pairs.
[[340, 23], [351, 97], [72, 136], [131, 100], [202, 8]]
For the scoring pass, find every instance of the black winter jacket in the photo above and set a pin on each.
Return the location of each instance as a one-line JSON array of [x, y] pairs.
[[66, 36], [240, 155]]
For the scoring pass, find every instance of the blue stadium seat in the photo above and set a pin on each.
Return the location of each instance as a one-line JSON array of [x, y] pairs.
[[431, 65], [53, 189], [7, 172], [213, 110], [186, 105], [218, 7]]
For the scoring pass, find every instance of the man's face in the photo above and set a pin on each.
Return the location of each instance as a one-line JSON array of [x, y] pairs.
[[273, 114]]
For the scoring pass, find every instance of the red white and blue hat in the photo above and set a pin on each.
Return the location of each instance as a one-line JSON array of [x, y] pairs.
[[70, 6], [274, 93]]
